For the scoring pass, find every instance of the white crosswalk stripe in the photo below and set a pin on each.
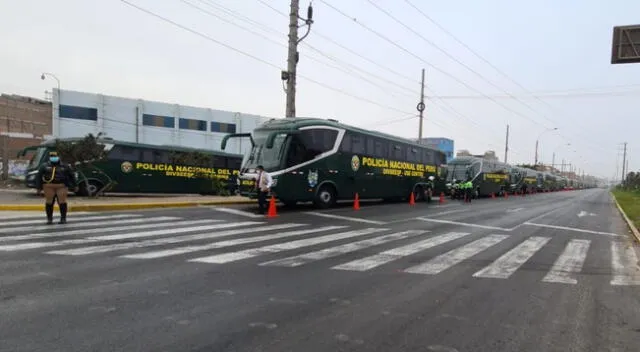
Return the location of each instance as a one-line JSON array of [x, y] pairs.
[[453, 257], [569, 263], [397, 253], [507, 264], [211, 241], [249, 253], [335, 251]]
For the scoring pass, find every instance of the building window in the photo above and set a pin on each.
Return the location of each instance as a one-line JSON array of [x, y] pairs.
[[196, 125], [223, 127], [78, 113], [158, 121]]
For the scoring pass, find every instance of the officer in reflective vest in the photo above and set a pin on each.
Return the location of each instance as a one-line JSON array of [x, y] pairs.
[[54, 179], [468, 188]]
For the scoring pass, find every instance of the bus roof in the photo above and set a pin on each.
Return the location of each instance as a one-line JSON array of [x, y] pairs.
[[173, 148], [298, 122]]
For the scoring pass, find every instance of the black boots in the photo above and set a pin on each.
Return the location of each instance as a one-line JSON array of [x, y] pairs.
[[63, 213], [48, 208]]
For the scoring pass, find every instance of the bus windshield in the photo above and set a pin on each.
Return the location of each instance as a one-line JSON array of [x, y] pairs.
[[270, 159], [457, 172], [37, 158]]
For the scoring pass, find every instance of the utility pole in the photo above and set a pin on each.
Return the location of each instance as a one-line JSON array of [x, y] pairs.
[[506, 146], [624, 162], [553, 162], [421, 107], [536, 159], [290, 75]]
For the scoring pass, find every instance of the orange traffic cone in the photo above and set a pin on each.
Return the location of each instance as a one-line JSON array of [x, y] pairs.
[[412, 200], [441, 197], [356, 203], [271, 213]]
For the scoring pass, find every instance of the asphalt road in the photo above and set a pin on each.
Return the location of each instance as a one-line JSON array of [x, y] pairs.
[[550, 272]]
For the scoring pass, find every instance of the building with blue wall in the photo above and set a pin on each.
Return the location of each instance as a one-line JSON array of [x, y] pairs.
[[440, 143]]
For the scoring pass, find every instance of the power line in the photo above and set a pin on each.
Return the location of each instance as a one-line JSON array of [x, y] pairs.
[[257, 58], [428, 63]]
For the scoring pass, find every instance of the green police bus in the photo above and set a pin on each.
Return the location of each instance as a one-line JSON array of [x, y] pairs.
[[144, 168], [323, 161], [487, 176]]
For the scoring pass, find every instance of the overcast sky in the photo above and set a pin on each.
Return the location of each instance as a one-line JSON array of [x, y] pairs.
[[541, 65]]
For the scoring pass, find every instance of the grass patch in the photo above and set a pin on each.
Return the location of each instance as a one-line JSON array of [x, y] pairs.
[[630, 203]]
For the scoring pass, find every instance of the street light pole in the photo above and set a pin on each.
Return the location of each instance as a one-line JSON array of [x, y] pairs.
[[44, 74]]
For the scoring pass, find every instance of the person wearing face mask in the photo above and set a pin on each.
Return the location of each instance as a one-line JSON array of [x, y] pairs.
[[54, 179]]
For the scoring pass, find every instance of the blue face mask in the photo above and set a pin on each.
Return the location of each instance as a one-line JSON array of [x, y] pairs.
[[54, 159]]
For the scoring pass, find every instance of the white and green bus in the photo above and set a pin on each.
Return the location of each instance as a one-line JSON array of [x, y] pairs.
[[324, 161]]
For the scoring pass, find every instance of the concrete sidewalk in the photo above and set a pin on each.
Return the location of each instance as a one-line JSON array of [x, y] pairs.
[[26, 200]]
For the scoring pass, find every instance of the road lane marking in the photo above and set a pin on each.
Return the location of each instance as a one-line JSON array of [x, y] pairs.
[[446, 212], [228, 243], [239, 212], [306, 258], [455, 256], [381, 258], [75, 222], [463, 224], [254, 252], [624, 263], [107, 229], [511, 261], [514, 210], [167, 240], [173, 231], [569, 263], [347, 218], [573, 229]]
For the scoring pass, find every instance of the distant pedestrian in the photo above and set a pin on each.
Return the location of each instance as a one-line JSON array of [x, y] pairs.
[[55, 179], [263, 186]]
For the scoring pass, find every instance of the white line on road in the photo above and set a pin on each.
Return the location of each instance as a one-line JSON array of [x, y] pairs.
[[254, 252], [508, 263], [347, 218], [173, 231], [153, 223], [569, 263], [453, 257], [339, 250], [573, 229], [462, 224], [75, 222], [239, 212], [514, 210], [624, 262], [447, 212], [381, 258], [228, 243], [167, 240]]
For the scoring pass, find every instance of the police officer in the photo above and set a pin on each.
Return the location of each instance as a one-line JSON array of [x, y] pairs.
[[263, 186], [54, 179], [468, 188]]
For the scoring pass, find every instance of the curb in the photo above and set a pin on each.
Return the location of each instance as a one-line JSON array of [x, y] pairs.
[[119, 206], [633, 228]]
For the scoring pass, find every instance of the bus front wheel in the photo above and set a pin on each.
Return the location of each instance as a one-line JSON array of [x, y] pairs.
[[326, 197]]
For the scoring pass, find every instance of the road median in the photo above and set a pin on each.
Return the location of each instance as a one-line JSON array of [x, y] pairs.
[[628, 203]]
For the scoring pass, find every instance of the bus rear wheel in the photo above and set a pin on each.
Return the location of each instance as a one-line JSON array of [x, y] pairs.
[[326, 197]]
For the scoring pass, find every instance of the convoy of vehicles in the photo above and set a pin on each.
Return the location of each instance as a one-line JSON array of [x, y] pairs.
[[143, 168], [309, 159], [491, 177], [324, 161]]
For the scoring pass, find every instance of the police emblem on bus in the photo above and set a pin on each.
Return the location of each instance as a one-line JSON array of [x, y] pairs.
[[312, 178], [126, 167], [355, 163]]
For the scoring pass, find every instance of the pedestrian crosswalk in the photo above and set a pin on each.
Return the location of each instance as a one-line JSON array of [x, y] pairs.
[[292, 245]]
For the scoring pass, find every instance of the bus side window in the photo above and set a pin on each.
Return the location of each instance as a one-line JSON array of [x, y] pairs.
[[219, 162], [398, 152], [161, 157], [120, 152], [234, 163], [345, 146], [381, 149], [413, 155], [358, 144], [147, 156]]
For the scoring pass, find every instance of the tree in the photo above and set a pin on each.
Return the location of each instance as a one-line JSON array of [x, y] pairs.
[[82, 156], [212, 183]]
